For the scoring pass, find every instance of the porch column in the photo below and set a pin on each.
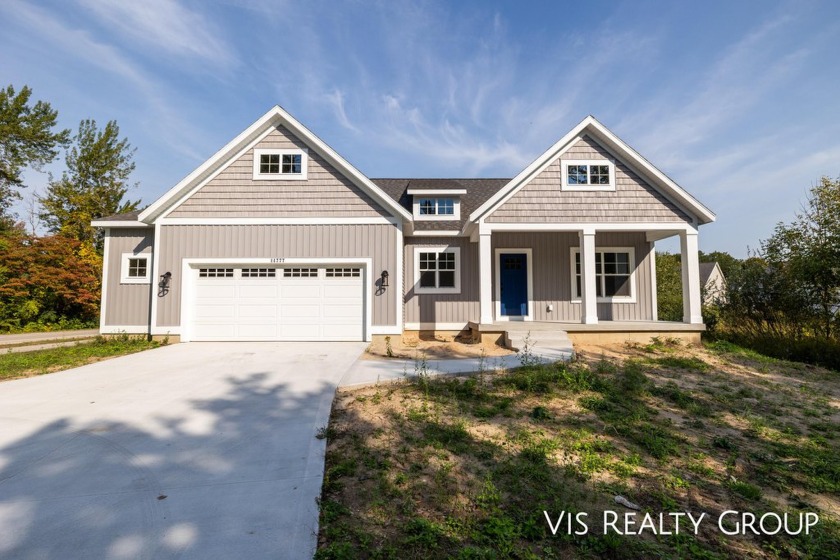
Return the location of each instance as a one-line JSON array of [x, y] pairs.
[[485, 275], [690, 277], [588, 296]]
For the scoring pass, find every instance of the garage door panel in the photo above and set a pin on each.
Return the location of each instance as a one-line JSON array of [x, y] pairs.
[[308, 303]]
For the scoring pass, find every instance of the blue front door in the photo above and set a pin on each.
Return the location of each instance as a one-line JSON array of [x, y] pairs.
[[513, 284]]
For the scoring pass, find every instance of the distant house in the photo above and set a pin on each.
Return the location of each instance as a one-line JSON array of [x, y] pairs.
[[713, 283], [278, 237]]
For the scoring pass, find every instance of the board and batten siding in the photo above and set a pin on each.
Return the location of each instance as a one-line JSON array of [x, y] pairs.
[[442, 308], [234, 193], [543, 200], [375, 241], [552, 269], [127, 305]]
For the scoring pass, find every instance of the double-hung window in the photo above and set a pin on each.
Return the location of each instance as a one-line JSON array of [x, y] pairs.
[[588, 175], [135, 269], [437, 270], [280, 164], [613, 274]]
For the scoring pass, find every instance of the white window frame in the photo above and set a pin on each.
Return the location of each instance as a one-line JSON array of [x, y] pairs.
[[437, 249], [631, 251], [456, 208], [565, 163], [126, 279], [304, 165]]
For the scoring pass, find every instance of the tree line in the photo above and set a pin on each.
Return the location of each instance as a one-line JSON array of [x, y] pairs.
[[783, 299], [53, 280]]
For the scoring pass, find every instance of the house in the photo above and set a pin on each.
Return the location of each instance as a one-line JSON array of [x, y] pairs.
[[278, 237], [712, 283]]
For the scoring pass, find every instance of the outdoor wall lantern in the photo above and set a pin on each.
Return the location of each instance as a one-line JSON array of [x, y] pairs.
[[383, 283], [163, 285]]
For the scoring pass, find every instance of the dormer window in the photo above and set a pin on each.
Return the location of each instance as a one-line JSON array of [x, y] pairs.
[[437, 207], [280, 164], [437, 204], [588, 175]]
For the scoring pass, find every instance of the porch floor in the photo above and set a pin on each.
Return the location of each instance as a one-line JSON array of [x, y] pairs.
[[602, 326]]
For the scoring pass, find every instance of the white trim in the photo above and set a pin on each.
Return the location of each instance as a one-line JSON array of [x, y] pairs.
[[189, 274], [611, 142], [674, 227], [249, 138], [654, 301], [103, 299], [576, 297], [372, 220], [436, 326], [437, 249], [119, 224], [530, 284], [399, 285], [565, 186], [436, 233], [386, 329], [436, 191], [280, 176], [454, 217], [153, 293], [125, 278], [123, 329], [485, 277]]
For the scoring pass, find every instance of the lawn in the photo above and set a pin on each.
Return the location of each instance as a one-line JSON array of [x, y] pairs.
[[38, 362], [465, 468]]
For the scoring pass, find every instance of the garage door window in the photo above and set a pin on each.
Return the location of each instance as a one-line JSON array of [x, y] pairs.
[[300, 272], [215, 273], [259, 273], [343, 272]]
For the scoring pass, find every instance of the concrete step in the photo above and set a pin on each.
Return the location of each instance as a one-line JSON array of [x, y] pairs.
[[551, 345]]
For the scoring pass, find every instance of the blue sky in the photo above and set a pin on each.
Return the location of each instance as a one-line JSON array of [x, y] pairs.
[[736, 101]]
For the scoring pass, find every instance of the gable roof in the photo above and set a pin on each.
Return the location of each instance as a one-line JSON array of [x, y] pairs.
[[706, 270], [245, 141], [613, 143], [478, 191]]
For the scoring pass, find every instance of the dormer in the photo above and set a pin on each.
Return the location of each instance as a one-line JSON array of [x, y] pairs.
[[436, 204]]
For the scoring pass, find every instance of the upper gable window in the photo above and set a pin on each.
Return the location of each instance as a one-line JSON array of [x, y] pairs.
[[435, 208], [588, 175], [280, 164]]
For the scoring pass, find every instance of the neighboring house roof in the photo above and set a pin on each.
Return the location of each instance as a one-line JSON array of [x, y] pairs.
[[478, 192], [245, 141], [706, 270], [603, 136]]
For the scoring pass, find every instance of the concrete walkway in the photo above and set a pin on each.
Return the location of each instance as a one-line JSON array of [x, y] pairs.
[[200, 450], [27, 342]]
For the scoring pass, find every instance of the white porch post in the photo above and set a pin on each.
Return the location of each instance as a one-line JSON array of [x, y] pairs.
[[485, 273], [588, 296], [690, 277]]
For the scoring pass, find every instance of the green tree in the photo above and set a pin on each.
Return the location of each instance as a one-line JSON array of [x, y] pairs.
[[93, 186], [27, 139], [669, 299], [728, 263], [808, 250]]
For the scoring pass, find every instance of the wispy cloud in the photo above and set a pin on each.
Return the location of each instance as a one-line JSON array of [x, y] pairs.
[[165, 25]]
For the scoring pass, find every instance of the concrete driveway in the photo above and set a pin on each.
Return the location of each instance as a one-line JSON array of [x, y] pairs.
[[197, 450]]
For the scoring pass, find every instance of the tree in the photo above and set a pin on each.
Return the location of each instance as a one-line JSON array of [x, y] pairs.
[[728, 263], [669, 298], [27, 139], [808, 250], [93, 186]]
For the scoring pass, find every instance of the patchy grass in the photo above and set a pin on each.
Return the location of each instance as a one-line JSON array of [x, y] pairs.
[[464, 468], [39, 362]]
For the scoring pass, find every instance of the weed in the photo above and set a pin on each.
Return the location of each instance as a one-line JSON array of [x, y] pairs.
[[389, 350], [540, 413], [526, 353], [745, 489], [723, 442], [325, 432], [691, 363]]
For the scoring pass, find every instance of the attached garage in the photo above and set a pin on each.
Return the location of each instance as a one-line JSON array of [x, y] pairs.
[[255, 302]]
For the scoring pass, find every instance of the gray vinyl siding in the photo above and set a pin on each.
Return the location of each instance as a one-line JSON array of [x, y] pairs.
[[127, 304], [551, 254], [553, 279], [543, 200], [443, 308], [177, 242], [234, 193]]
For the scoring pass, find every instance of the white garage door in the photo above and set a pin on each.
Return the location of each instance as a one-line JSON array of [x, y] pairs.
[[289, 303]]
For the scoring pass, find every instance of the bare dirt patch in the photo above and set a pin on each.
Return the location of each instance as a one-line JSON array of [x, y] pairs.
[[437, 347]]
